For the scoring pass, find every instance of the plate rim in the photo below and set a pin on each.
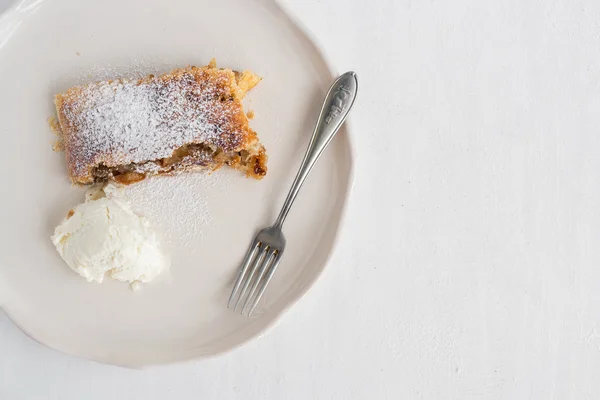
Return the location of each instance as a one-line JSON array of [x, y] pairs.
[[27, 7]]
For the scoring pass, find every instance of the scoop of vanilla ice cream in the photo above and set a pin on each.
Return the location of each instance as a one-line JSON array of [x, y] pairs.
[[103, 236]]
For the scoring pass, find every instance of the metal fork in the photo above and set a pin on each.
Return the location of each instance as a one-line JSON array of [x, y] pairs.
[[266, 250]]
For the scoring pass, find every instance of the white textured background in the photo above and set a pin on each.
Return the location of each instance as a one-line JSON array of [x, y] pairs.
[[470, 263]]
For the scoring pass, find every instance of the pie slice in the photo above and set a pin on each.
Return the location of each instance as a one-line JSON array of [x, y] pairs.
[[188, 119]]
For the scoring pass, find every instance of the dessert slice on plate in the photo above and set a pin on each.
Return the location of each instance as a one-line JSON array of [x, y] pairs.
[[188, 119]]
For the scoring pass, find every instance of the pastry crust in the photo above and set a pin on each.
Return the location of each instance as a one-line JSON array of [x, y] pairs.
[[188, 119]]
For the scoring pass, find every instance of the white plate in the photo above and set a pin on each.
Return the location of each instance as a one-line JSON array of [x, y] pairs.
[[47, 46]]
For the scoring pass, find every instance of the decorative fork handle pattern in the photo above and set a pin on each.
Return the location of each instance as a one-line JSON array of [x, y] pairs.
[[338, 102]]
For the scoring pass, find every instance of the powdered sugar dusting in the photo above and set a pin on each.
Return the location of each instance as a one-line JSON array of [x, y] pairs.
[[177, 206], [132, 121]]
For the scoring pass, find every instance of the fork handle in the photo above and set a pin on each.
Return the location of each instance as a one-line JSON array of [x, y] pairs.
[[337, 105]]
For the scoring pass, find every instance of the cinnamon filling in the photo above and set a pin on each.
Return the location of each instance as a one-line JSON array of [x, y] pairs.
[[192, 156]]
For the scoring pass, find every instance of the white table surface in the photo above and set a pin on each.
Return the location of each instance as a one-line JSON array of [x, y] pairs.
[[469, 266]]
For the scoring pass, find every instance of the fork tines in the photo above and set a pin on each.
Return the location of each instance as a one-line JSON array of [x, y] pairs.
[[257, 269]]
